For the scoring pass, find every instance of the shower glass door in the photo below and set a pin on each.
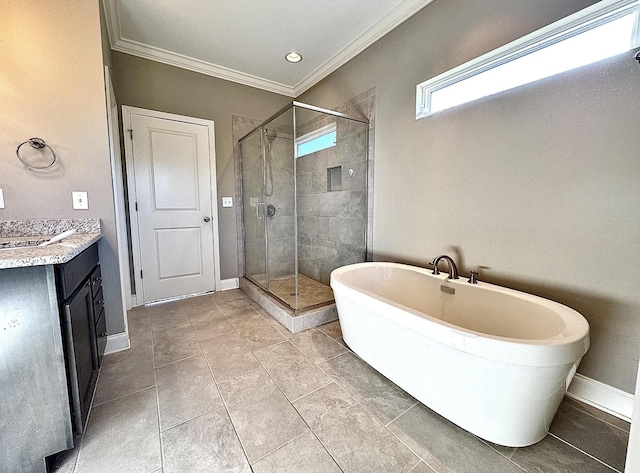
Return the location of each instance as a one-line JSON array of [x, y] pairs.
[[279, 202], [255, 237], [268, 204]]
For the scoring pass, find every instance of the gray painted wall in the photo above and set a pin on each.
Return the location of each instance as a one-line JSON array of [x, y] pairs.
[[538, 187], [52, 87], [142, 83]]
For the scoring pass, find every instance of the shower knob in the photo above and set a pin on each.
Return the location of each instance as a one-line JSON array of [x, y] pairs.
[[207, 219]]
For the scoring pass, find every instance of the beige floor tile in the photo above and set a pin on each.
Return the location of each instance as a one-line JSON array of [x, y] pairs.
[[295, 375], [124, 373], [176, 344], [228, 356], [197, 303], [262, 416], [204, 445], [234, 306], [230, 295], [122, 436], [377, 394], [303, 455], [445, 446], [551, 455], [422, 468], [212, 328], [332, 329], [357, 442], [257, 332], [602, 440], [316, 346], [169, 320], [186, 389]]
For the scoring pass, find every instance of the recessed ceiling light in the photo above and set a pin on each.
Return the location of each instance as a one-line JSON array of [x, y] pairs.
[[293, 57]]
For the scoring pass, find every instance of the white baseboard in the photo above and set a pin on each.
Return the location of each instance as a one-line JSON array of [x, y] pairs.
[[227, 284], [117, 342], [604, 397]]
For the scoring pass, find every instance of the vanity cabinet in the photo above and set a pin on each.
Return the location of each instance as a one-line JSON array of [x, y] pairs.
[[79, 287], [51, 319]]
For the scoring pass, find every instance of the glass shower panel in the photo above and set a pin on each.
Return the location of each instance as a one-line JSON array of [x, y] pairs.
[[304, 192], [279, 207], [255, 249], [332, 199]]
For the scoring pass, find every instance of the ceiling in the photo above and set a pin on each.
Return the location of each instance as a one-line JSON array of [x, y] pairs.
[[245, 41]]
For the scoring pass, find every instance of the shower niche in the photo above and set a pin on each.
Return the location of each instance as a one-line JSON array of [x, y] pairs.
[[304, 193]]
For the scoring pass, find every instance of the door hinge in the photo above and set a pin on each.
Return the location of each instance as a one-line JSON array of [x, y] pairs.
[[136, 206], [130, 133], [140, 274]]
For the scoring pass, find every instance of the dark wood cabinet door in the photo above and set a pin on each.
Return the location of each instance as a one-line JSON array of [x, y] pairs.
[[82, 359]]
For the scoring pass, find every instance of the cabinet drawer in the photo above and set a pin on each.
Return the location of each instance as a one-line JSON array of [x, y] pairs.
[[96, 281], [98, 304], [101, 334], [72, 273]]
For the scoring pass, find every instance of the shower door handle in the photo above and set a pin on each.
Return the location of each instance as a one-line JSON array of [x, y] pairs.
[[258, 211]]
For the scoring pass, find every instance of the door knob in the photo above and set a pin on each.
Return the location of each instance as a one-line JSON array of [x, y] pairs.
[[207, 219]]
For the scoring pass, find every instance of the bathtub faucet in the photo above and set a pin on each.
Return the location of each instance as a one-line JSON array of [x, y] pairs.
[[453, 269]]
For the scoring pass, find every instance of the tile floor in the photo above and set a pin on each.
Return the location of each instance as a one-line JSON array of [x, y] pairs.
[[215, 384]]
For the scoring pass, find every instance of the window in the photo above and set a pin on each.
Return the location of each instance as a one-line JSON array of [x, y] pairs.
[[603, 30], [317, 140]]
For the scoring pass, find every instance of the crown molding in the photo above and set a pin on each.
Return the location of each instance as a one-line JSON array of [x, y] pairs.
[[196, 65], [400, 13], [391, 20]]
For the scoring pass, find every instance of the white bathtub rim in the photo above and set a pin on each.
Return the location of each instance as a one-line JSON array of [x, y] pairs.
[[526, 352]]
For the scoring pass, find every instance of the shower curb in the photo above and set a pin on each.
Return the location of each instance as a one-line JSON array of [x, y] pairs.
[[293, 322]]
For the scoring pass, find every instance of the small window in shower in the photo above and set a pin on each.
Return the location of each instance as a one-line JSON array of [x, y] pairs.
[[317, 140]]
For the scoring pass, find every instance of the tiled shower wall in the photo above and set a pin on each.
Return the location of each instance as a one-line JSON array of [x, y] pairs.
[[332, 220]]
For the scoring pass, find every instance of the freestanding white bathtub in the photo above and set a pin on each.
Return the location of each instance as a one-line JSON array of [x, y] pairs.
[[495, 361]]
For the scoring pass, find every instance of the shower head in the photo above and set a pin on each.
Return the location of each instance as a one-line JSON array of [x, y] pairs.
[[270, 134]]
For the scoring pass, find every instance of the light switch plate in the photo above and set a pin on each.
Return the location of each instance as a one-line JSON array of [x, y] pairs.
[[1, 199], [227, 201], [80, 200]]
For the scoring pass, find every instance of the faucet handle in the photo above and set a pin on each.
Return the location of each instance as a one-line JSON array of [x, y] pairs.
[[473, 277], [435, 271]]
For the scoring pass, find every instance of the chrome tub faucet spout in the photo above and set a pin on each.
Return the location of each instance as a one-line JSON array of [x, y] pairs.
[[453, 269]]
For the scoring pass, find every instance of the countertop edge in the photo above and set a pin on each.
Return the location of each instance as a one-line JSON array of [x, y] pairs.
[[57, 253]]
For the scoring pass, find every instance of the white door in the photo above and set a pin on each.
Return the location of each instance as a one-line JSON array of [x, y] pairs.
[[175, 216]]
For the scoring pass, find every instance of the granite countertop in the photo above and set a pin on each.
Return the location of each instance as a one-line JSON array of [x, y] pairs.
[[33, 232]]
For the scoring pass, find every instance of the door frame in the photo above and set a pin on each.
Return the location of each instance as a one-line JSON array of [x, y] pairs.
[[127, 113]]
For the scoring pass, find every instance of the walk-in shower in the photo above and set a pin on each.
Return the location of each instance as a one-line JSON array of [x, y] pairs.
[[304, 201]]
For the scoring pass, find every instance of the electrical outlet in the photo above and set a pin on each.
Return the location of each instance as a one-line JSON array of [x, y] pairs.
[[1, 199], [80, 200], [227, 201]]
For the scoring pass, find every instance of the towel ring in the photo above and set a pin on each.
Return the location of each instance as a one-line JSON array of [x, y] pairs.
[[37, 143]]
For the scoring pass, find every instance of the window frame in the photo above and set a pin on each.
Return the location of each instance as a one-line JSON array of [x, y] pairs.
[[573, 25], [316, 134]]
